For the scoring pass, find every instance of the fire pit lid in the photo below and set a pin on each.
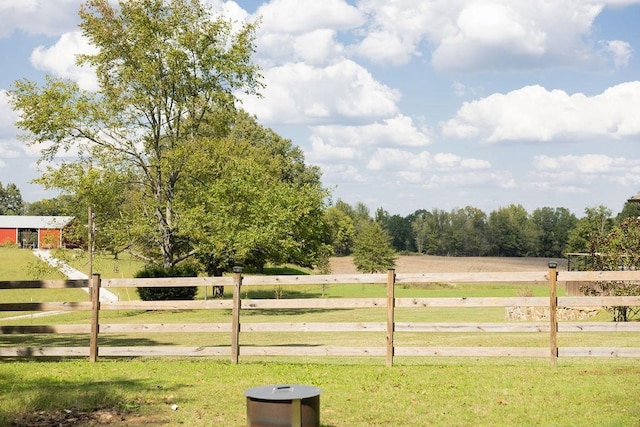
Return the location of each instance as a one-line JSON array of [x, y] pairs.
[[282, 392]]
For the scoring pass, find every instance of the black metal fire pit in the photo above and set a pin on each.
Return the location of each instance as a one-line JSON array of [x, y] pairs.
[[283, 405]]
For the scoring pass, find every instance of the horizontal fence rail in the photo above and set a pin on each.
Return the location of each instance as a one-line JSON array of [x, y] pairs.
[[388, 323]]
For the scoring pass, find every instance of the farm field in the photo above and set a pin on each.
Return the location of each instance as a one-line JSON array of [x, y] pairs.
[[355, 391], [20, 264], [441, 264]]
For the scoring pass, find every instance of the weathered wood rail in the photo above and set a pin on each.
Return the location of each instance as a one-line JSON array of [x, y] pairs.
[[389, 326]]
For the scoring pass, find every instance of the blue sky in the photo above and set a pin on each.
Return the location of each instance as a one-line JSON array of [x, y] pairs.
[[407, 104]]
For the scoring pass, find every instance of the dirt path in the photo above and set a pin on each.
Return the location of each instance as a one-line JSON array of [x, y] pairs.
[[440, 264]]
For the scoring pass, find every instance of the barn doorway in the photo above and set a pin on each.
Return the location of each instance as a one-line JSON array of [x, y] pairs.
[[28, 238]]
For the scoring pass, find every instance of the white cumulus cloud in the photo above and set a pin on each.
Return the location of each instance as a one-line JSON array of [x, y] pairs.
[[47, 17], [385, 158], [7, 115], [60, 59], [620, 51], [472, 35], [396, 131], [575, 173], [396, 28], [323, 151], [294, 16], [301, 93], [536, 114], [584, 164]]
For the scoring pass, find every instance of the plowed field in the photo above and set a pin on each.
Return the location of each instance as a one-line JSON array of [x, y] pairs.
[[440, 264]]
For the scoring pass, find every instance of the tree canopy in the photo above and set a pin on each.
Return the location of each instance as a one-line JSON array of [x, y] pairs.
[[619, 249], [171, 165], [11, 202], [372, 251]]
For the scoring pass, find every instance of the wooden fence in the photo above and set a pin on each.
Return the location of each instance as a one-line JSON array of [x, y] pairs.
[[388, 325]]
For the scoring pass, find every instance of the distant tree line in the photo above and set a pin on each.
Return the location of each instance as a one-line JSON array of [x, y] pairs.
[[507, 231]]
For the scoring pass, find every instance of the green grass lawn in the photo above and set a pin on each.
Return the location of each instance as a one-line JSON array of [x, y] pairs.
[[22, 264], [106, 264], [356, 391], [447, 392]]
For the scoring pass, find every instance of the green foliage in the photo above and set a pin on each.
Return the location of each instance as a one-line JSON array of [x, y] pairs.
[[420, 229], [63, 205], [105, 189], [596, 223], [629, 210], [245, 208], [11, 202], [358, 214], [167, 72], [553, 227], [511, 233], [399, 229], [458, 232], [372, 251], [618, 250], [168, 293], [342, 230], [473, 223]]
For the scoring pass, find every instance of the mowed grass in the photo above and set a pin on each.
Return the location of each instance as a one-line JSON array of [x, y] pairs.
[[22, 264], [447, 392], [355, 391], [432, 314]]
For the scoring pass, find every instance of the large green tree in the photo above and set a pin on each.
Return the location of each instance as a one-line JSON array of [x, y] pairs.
[[552, 230], [11, 202], [473, 223], [167, 72], [399, 228], [619, 249], [629, 210], [596, 223], [420, 229], [359, 213], [250, 200], [511, 232], [341, 229], [372, 251]]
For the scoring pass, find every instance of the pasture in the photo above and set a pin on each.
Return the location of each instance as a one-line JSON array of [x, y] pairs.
[[356, 391]]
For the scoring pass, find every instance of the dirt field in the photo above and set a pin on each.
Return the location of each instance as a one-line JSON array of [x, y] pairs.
[[440, 264]]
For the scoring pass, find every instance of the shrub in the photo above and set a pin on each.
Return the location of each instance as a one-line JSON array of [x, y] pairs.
[[170, 293], [618, 250]]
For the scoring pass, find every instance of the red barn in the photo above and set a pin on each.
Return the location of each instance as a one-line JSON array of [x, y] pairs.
[[44, 232]]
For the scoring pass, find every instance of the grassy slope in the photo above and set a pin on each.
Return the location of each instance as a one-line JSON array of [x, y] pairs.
[[22, 264]]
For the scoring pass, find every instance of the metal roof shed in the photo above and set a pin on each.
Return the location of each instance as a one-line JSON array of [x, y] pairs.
[[43, 232]]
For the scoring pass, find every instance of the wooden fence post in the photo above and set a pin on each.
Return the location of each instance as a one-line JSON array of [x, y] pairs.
[[391, 304], [553, 313], [94, 291], [235, 320]]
